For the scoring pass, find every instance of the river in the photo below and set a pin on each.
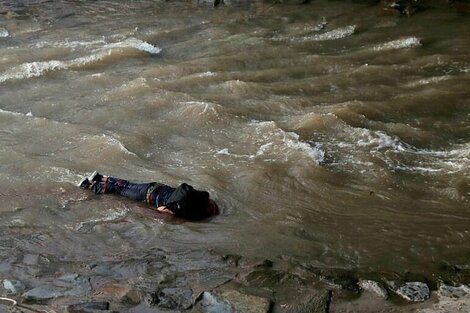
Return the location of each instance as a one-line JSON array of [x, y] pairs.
[[331, 133]]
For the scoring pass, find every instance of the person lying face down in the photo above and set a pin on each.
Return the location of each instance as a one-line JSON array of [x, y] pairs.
[[183, 201]]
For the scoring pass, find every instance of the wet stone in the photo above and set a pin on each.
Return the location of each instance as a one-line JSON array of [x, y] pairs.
[[174, 298], [344, 279], [13, 286], [211, 303], [231, 259], [263, 277], [246, 303], [117, 291], [42, 294], [373, 287], [454, 292], [414, 291], [88, 307], [314, 303]]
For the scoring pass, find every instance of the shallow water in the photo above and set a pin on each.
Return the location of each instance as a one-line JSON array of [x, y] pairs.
[[329, 133]]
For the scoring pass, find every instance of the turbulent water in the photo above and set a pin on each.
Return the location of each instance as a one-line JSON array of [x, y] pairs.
[[330, 133]]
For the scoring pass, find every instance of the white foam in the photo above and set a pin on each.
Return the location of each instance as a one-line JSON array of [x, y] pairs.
[[4, 33], [207, 74], [223, 152], [134, 43], [114, 142], [409, 42], [380, 140], [427, 81], [36, 69], [104, 141], [292, 140], [272, 135], [68, 44], [337, 33], [12, 113]]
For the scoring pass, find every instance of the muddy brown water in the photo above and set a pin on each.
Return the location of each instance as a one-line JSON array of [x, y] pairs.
[[329, 133]]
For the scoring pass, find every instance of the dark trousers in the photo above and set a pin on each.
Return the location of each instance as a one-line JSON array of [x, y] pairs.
[[123, 188]]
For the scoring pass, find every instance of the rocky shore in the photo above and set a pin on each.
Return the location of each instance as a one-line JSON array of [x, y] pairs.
[[163, 282]]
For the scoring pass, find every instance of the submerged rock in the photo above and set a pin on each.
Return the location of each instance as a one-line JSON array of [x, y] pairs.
[[414, 291], [405, 7]]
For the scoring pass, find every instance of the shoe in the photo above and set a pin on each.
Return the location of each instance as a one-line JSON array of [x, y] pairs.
[[84, 183], [90, 180], [94, 177]]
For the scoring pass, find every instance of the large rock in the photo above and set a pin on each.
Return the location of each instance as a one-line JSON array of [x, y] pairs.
[[246, 303], [414, 291], [314, 303], [42, 294]]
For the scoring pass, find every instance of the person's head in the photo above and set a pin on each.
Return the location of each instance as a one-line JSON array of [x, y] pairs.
[[193, 204]]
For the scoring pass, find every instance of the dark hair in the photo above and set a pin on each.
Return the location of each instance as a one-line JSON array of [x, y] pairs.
[[189, 203]]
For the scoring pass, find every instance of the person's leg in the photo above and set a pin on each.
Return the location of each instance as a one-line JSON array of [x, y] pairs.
[[108, 184]]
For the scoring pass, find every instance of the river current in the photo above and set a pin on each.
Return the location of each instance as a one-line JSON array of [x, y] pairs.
[[329, 133]]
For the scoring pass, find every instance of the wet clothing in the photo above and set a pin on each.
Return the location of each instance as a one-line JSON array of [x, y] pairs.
[[183, 201], [151, 193]]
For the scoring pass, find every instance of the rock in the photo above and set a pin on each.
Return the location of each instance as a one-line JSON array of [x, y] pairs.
[[265, 277], [133, 296], [231, 259], [211, 303], [174, 298], [246, 303], [315, 303], [76, 285], [453, 292], [373, 287], [42, 294], [414, 291], [13, 286], [405, 7], [117, 291], [345, 279], [88, 307]]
